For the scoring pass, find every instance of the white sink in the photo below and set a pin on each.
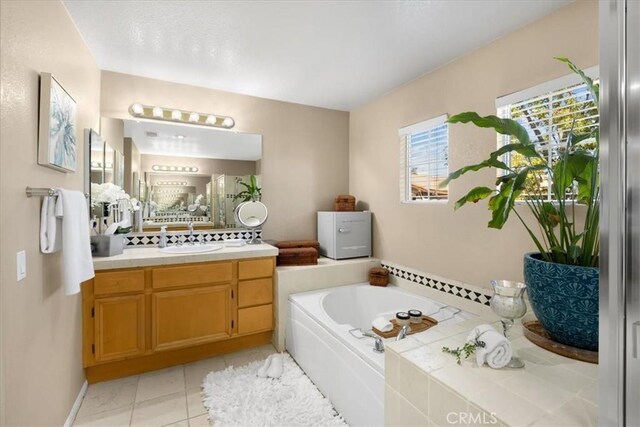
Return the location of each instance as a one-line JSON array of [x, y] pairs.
[[191, 249]]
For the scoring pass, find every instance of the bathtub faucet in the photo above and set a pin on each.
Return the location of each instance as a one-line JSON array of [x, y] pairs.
[[403, 333], [378, 345]]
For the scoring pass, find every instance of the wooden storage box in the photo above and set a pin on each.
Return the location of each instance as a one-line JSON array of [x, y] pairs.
[[379, 276], [345, 203], [293, 244], [297, 256]]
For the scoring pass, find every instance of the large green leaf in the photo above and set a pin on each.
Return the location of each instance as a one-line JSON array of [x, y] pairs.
[[475, 195], [570, 168], [502, 126], [502, 203], [489, 163], [549, 214], [526, 150], [575, 139], [594, 88], [585, 182]]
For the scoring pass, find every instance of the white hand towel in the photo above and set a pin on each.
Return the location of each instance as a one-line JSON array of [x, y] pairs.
[[382, 324], [50, 227], [77, 265], [262, 371], [125, 217], [497, 350], [277, 366]]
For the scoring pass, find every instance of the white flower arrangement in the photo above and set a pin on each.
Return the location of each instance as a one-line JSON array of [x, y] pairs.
[[112, 195]]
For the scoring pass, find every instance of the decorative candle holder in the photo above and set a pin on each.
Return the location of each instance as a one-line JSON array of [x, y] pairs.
[[508, 303]]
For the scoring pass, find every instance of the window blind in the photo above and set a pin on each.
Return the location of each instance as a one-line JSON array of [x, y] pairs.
[[549, 118], [424, 160]]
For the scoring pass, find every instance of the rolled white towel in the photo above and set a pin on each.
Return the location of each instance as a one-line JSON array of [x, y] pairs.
[[497, 350], [277, 366], [382, 324], [262, 371]]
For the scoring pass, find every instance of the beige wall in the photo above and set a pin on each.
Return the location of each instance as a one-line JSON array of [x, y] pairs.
[[41, 360], [112, 132], [131, 164], [304, 149], [432, 237]]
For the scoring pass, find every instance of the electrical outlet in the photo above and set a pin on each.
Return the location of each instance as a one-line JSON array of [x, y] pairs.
[[21, 265]]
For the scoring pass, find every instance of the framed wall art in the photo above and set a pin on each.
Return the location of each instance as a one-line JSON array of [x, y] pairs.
[[57, 128]]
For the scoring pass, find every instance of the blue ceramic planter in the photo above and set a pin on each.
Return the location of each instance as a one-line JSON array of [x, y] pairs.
[[564, 298]]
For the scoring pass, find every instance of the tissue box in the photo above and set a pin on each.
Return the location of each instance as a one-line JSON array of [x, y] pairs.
[[103, 245]]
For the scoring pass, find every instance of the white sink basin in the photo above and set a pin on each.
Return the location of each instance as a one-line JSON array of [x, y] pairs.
[[191, 249]]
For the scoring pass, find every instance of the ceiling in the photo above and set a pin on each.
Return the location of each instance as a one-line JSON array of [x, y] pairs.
[[192, 141], [333, 54]]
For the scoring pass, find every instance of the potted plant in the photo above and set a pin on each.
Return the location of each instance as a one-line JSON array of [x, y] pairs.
[[251, 193], [562, 277]]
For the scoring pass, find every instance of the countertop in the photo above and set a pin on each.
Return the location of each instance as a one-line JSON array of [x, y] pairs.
[[551, 390], [149, 256]]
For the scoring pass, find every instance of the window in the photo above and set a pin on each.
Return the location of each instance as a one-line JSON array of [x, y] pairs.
[[549, 112], [424, 160]]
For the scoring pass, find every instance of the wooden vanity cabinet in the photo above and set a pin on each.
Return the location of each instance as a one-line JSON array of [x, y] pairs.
[[141, 319]]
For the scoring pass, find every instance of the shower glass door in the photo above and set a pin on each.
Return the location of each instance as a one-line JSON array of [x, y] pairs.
[[619, 356]]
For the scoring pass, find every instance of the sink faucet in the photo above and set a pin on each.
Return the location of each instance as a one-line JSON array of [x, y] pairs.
[[190, 227], [403, 333]]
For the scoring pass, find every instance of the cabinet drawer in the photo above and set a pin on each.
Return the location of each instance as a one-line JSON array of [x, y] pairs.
[[170, 277], [255, 268], [255, 319], [255, 292], [118, 281]]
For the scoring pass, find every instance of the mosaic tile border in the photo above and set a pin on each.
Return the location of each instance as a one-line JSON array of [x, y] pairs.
[[149, 239], [438, 284]]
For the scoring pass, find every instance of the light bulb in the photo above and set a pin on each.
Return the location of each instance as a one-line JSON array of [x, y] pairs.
[[211, 120], [157, 112], [156, 168], [164, 168], [194, 117], [137, 110], [176, 115], [172, 168], [228, 122]]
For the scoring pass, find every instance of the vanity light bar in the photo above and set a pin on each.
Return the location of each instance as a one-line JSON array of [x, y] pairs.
[[171, 183], [98, 165], [174, 191], [173, 115], [167, 168]]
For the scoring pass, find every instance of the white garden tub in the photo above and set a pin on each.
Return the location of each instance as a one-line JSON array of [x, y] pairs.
[[320, 337]]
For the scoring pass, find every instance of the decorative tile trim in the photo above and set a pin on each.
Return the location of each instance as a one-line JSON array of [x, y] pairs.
[[439, 284], [152, 239]]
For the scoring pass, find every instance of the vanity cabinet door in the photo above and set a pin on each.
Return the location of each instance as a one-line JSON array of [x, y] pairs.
[[119, 327], [187, 317]]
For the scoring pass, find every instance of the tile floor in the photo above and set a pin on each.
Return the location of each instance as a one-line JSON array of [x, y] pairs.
[[168, 397]]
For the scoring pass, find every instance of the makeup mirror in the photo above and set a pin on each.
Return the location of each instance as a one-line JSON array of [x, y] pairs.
[[252, 215]]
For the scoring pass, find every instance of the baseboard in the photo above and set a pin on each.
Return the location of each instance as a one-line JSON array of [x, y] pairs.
[[76, 405], [164, 359]]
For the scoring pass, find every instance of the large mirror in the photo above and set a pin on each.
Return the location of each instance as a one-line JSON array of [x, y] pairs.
[[183, 173]]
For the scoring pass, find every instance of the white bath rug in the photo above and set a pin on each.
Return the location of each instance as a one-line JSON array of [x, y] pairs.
[[238, 397]]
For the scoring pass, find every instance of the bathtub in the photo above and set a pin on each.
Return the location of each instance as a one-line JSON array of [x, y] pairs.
[[321, 336]]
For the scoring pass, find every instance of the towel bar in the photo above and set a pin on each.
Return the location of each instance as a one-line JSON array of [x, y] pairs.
[[35, 191]]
